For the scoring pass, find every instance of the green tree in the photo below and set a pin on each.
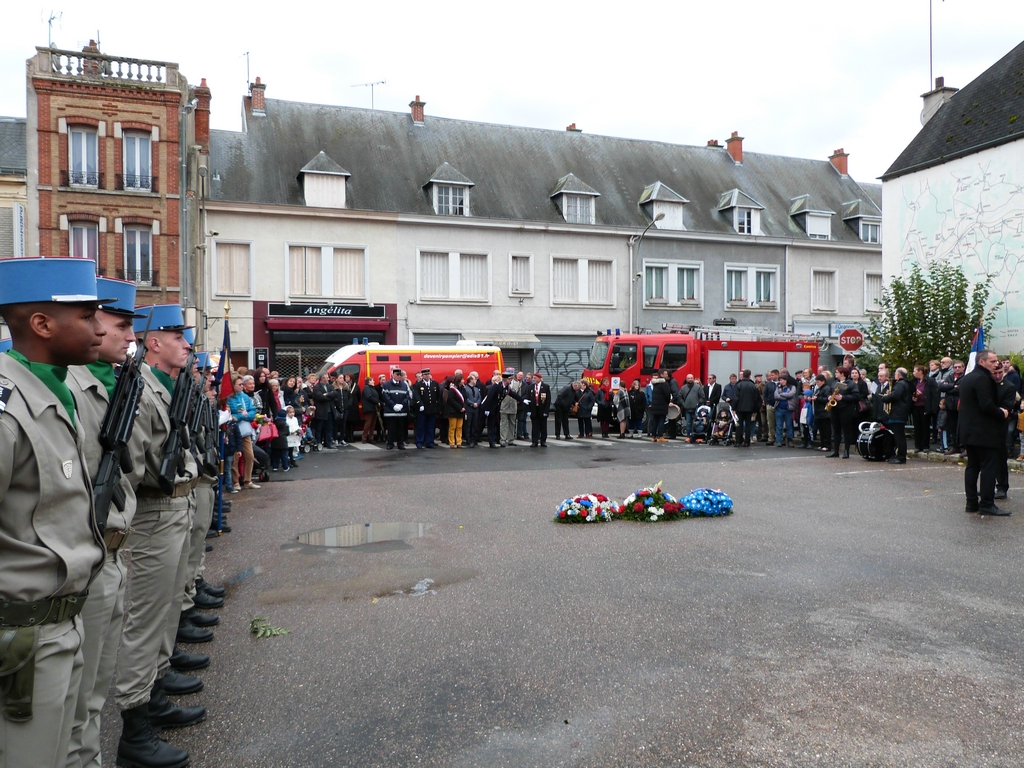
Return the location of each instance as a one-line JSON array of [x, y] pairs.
[[928, 315]]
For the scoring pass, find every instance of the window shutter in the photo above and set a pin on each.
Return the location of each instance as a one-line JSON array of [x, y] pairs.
[[565, 285], [473, 275], [434, 275], [519, 279], [872, 293], [823, 287], [599, 282], [348, 272]]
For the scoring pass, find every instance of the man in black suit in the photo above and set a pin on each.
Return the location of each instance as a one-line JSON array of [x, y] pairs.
[[494, 393], [712, 392], [983, 432], [538, 398]]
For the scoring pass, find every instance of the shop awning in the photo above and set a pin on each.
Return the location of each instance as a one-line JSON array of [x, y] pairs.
[[327, 324], [506, 340]]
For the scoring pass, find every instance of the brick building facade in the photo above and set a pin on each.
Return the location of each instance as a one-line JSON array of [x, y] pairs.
[[105, 145]]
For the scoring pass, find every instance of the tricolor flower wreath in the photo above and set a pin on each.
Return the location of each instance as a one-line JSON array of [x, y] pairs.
[[652, 505], [587, 508], [707, 502]]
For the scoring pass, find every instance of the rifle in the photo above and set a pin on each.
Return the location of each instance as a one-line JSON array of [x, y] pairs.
[[173, 461], [115, 432]]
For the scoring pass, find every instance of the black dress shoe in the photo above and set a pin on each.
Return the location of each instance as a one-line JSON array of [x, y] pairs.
[[176, 684], [209, 548], [833, 455], [1000, 494], [139, 746], [190, 633], [208, 588], [894, 460], [206, 601], [212, 533], [201, 619], [971, 508], [163, 714], [188, 662], [994, 510]]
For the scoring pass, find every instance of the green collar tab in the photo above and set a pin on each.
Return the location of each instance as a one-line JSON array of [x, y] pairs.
[[164, 379], [105, 373], [53, 376]]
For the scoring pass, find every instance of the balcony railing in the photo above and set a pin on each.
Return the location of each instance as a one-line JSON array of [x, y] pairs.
[[130, 182], [82, 64], [139, 276], [81, 179]]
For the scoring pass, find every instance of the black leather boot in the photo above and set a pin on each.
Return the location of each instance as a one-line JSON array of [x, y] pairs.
[[212, 591], [201, 619], [188, 662], [139, 746], [206, 601], [190, 633], [846, 453], [176, 684], [163, 714]]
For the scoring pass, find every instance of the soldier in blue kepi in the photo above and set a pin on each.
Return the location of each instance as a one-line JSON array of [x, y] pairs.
[[51, 547], [163, 519], [96, 392]]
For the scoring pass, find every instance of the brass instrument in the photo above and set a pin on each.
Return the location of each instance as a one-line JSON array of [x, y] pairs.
[[832, 402]]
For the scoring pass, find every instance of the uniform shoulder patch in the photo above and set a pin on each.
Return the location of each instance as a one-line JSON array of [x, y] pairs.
[[6, 388]]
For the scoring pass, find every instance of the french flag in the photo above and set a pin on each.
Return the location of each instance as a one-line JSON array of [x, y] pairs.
[[977, 344]]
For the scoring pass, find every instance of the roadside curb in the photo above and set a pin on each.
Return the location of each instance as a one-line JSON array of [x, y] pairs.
[[1013, 464]]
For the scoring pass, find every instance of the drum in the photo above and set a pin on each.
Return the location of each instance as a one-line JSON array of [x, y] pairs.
[[876, 443], [674, 411]]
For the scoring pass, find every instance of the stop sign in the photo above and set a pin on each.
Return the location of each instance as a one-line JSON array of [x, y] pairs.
[[851, 339]]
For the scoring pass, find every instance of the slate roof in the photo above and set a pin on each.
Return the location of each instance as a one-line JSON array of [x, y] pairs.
[[569, 184], [987, 112], [445, 174], [662, 193], [804, 204], [323, 164], [734, 198], [855, 209], [13, 153], [515, 169]]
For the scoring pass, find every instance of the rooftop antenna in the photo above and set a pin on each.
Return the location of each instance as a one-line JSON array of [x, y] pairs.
[[247, 78], [53, 17], [371, 87], [931, 74]]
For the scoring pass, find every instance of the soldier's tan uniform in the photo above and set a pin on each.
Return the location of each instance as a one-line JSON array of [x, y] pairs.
[[159, 554], [49, 548], [103, 614]]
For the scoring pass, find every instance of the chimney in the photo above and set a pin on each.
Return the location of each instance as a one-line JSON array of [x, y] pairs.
[[734, 145], [713, 143], [417, 110], [935, 99], [202, 118], [259, 97], [91, 66], [573, 129], [838, 160]]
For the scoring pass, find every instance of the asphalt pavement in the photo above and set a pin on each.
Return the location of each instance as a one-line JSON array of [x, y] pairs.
[[847, 614]]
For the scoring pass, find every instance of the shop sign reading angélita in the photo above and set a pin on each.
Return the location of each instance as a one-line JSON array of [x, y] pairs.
[[325, 310]]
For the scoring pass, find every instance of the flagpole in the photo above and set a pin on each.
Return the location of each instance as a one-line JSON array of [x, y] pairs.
[[224, 366]]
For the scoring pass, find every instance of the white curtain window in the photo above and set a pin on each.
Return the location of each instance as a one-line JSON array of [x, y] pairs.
[[686, 284], [579, 209], [305, 270], [349, 264], [520, 277], [599, 282], [233, 268], [83, 157], [823, 291], [765, 289], [872, 293], [473, 276], [85, 241], [451, 201], [138, 249], [137, 161], [870, 233], [735, 285], [565, 281], [433, 275], [655, 279], [744, 221]]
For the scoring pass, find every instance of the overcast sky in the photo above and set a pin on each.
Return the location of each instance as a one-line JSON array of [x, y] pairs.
[[794, 77]]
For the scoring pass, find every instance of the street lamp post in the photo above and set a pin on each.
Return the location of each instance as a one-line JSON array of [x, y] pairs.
[[635, 276]]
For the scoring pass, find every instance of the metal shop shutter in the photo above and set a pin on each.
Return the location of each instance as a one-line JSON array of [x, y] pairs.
[[435, 339], [301, 360], [562, 358]]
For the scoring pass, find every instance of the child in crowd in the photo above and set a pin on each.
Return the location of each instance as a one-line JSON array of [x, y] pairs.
[[279, 444], [294, 435]]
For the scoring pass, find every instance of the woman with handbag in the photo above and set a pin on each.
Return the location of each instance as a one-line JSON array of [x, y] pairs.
[[243, 411]]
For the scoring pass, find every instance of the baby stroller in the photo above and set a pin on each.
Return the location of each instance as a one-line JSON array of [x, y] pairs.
[[875, 442], [725, 425], [306, 442], [701, 424]]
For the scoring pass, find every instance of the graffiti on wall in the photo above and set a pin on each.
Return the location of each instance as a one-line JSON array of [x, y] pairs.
[[561, 366]]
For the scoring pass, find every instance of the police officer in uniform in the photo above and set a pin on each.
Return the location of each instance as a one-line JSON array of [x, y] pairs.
[[159, 556], [427, 404], [50, 546], [92, 387]]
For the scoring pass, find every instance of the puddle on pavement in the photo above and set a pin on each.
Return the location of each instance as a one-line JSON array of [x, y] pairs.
[[361, 534]]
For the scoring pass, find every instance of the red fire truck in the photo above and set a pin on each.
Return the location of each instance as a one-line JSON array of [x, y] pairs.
[[701, 351]]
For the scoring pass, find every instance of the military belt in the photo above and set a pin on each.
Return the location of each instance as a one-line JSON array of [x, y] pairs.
[[114, 540], [181, 489], [18, 614]]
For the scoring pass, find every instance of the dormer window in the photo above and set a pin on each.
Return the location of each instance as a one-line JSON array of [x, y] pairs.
[[656, 200], [743, 210], [815, 220], [324, 182], [575, 199], [449, 191], [865, 219]]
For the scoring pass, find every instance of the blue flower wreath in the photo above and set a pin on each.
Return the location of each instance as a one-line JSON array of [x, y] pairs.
[[706, 502]]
